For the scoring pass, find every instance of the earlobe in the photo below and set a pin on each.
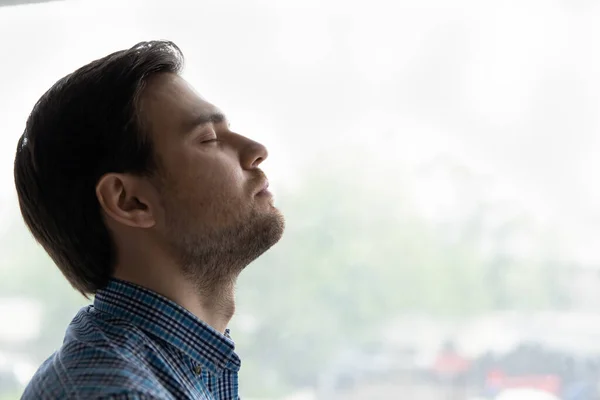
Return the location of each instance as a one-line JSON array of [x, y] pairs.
[[122, 199]]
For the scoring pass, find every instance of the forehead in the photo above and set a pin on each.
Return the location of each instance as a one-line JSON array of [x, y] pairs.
[[169, 104]]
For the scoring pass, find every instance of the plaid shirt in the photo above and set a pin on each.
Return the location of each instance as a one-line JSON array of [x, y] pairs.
[[133, 344]]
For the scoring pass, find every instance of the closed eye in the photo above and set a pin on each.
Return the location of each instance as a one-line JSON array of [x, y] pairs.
[[211, 140]]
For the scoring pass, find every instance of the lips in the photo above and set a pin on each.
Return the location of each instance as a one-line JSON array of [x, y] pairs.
[[263, 189]]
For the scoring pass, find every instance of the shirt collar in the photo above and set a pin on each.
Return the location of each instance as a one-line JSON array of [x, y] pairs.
[[167, 320]]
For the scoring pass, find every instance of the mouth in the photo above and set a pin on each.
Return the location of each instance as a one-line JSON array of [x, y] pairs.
[[264, 189]]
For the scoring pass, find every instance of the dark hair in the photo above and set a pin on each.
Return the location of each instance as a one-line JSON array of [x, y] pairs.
[[86, 125]]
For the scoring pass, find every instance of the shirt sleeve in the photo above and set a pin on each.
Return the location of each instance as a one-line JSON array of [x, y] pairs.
[[129, 396]]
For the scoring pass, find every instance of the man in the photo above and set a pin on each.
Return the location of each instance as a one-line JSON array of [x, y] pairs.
[[143, 197]]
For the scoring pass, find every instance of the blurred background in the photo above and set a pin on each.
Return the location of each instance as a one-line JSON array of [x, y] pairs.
[[437, 162]]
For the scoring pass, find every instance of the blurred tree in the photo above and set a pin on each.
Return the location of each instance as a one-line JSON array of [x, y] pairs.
[[357, 254]]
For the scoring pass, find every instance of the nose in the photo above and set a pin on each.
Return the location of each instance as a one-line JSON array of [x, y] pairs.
[[253, 154]]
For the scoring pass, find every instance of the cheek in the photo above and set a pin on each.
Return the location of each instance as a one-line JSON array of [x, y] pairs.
[[219, 188], [209, 187], [219, 179]]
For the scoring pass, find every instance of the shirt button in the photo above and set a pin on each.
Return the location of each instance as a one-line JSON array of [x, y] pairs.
[[198, 369]]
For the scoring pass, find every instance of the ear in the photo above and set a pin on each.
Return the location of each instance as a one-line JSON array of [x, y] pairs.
[[126, 199]]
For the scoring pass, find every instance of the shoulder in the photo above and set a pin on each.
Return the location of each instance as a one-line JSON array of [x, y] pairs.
[[99, 359]]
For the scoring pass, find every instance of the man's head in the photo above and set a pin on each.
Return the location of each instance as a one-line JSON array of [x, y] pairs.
[[122, 157]]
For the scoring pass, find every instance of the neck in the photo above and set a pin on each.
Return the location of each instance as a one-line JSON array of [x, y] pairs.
[[215, 305]]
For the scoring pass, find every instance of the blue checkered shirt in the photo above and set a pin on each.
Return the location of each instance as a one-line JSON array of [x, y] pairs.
[[133, 344]]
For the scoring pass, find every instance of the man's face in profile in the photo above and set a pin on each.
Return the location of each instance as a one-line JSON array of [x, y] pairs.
[[215, 214]]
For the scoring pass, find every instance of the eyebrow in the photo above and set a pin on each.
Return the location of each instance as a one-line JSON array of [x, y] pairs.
[[203, 119]]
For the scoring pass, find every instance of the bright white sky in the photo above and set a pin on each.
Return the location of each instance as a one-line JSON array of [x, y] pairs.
[[510, 88]]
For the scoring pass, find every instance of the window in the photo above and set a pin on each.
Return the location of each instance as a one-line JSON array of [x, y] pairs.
[[437, 163]]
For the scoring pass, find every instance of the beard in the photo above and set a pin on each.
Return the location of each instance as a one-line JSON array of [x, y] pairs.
[[215, 257]]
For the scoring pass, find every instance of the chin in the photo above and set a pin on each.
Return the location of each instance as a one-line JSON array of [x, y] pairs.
[[273, 226], [265, 230]]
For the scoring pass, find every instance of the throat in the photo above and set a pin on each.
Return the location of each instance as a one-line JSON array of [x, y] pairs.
[[215, 305]]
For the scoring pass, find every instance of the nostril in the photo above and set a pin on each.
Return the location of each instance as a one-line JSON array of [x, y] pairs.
[[257, 162]]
